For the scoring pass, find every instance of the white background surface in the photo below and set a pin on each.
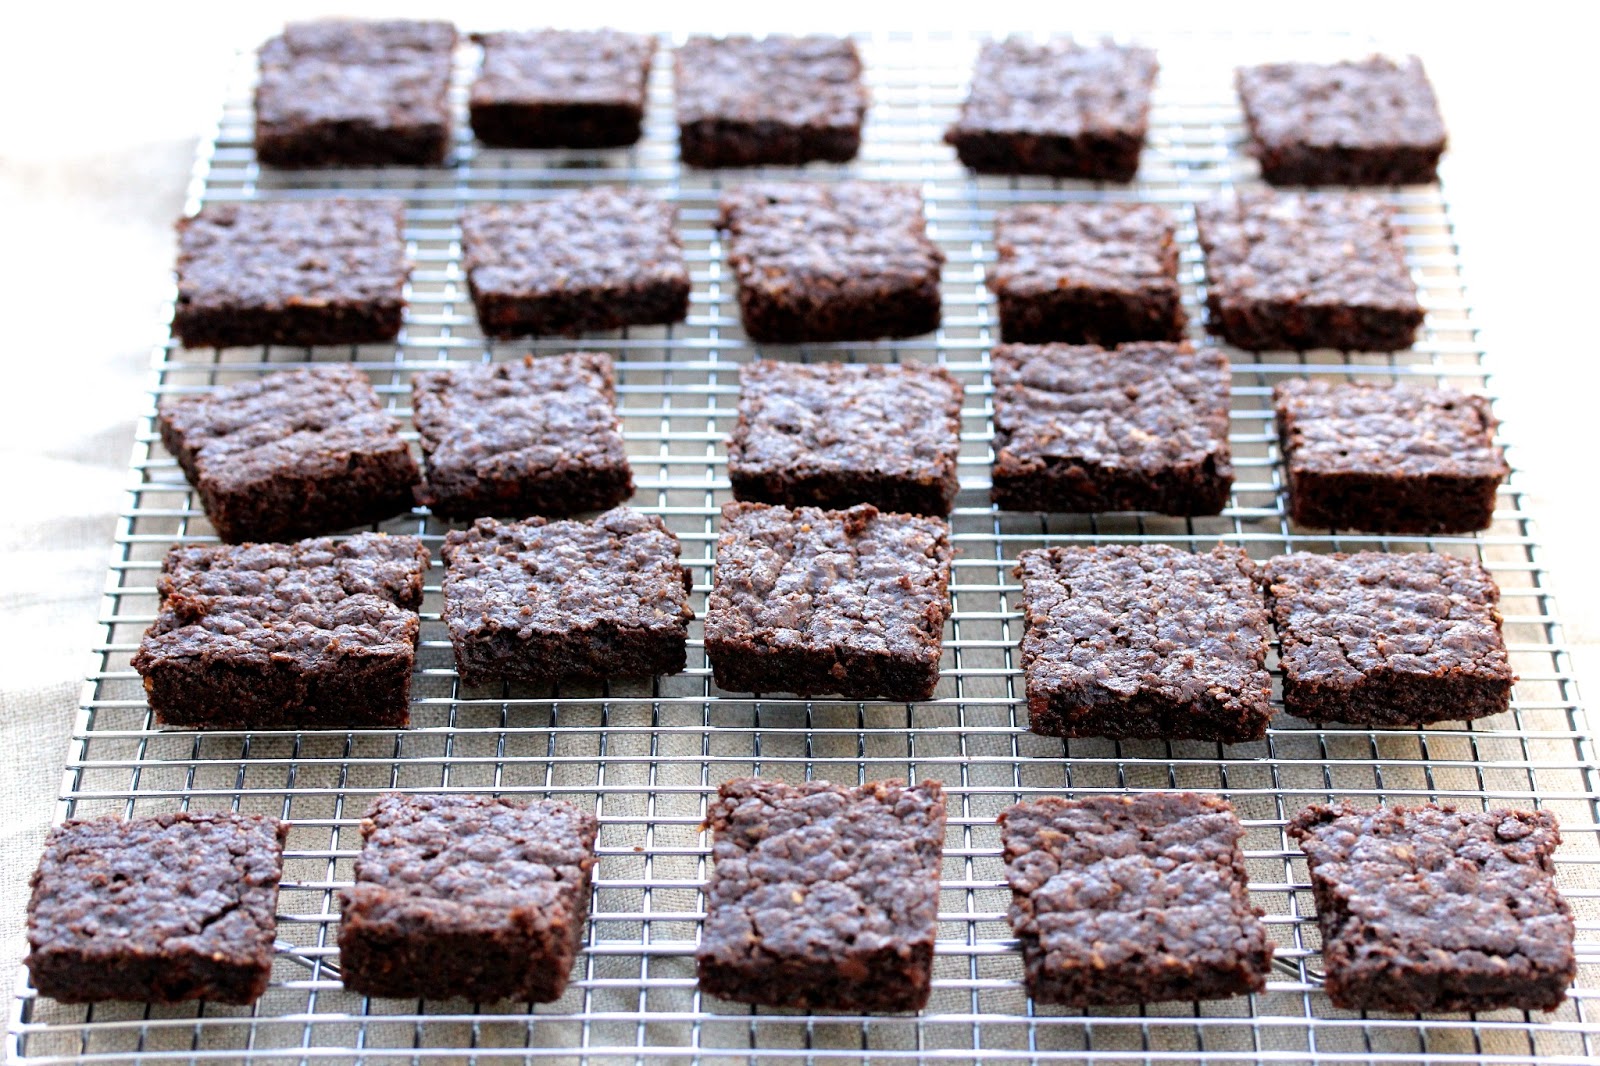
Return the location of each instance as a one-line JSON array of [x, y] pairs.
[[97, 130]]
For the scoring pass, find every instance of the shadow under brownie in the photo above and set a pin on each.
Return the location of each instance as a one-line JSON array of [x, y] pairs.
[[823, 897], [564, 601], [174, 907], [353, 93], [837, 434], [536, 436], [291, 272], [476, 897], [321, 634]]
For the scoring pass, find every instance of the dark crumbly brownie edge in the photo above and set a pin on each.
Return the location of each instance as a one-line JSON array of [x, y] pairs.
[[891, 308], [843, 488], [353, 680], [572, 312], [407, 933], [504, 120], [1160, 948], [1269, 326], [727, 143], [1399, 683], [86, 864], [296, 325], [1100, 155], [1384, 954], [1094, 483], [843, 672], [635, 640], [853, 964]]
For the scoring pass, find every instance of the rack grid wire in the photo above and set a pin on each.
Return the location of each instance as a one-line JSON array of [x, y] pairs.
[[646, 756]]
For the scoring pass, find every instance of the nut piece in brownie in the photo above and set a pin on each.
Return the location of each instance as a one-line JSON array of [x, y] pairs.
[[561, 88], [850, 603], [537, 436], [745, 101], [1431, 909], [351, 93], [1145, 641], [839, 262], [471, 896], [1087, 273], [1388, 459], [1388, 640], [178, 906], [1132, 899], [1307, 270], [1371, 122], [316, 635], [1141, 428], [291, 454], [823, 897], [836, 434], [1059, 109], [561, 601], [295, 272], [597, 259]]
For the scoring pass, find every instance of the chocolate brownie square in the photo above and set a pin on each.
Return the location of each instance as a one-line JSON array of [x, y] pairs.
[[1132, 899], [823, 897], [561, 601], [1388, 640], [1059, 109], [1298, 271], [351, 93], [836, 434], [561, 88], [1145, 641], [1087, 273], [1431, 909], [316, 635], [477, 897], [178, 906], [1141, 428], [1386, 458], [746, 101], [846, 261], [290, 454], [295, 272], [537, 436], [1371, 122], [597, 259], [851, 603]]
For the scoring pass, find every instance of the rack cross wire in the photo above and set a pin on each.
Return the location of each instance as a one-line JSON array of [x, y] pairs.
[[646, 756]]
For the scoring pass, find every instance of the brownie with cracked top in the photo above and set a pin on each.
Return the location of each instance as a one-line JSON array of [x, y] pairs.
[[596, 259], [1132, 899], [1058, 108], [561, 601], [845, 261], [1144, 641], [320, 634], [479, 897], [836, 434], [291, 454], [537, 436], [295, 272], [1433, 909], [1307, 270], [1388, 639], [352, 93], [1141, 428], [1087, 273], [173, 907], [823, 897], [1387, 458], [778, 100], [561, 88], [1367, 122], [850, 603]]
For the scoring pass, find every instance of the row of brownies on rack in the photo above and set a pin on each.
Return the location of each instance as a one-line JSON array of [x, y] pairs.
[[351, 93], [814, 262], [823, 898]]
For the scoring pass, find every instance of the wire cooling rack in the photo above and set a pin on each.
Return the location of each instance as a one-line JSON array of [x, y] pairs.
[[646, 756]]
